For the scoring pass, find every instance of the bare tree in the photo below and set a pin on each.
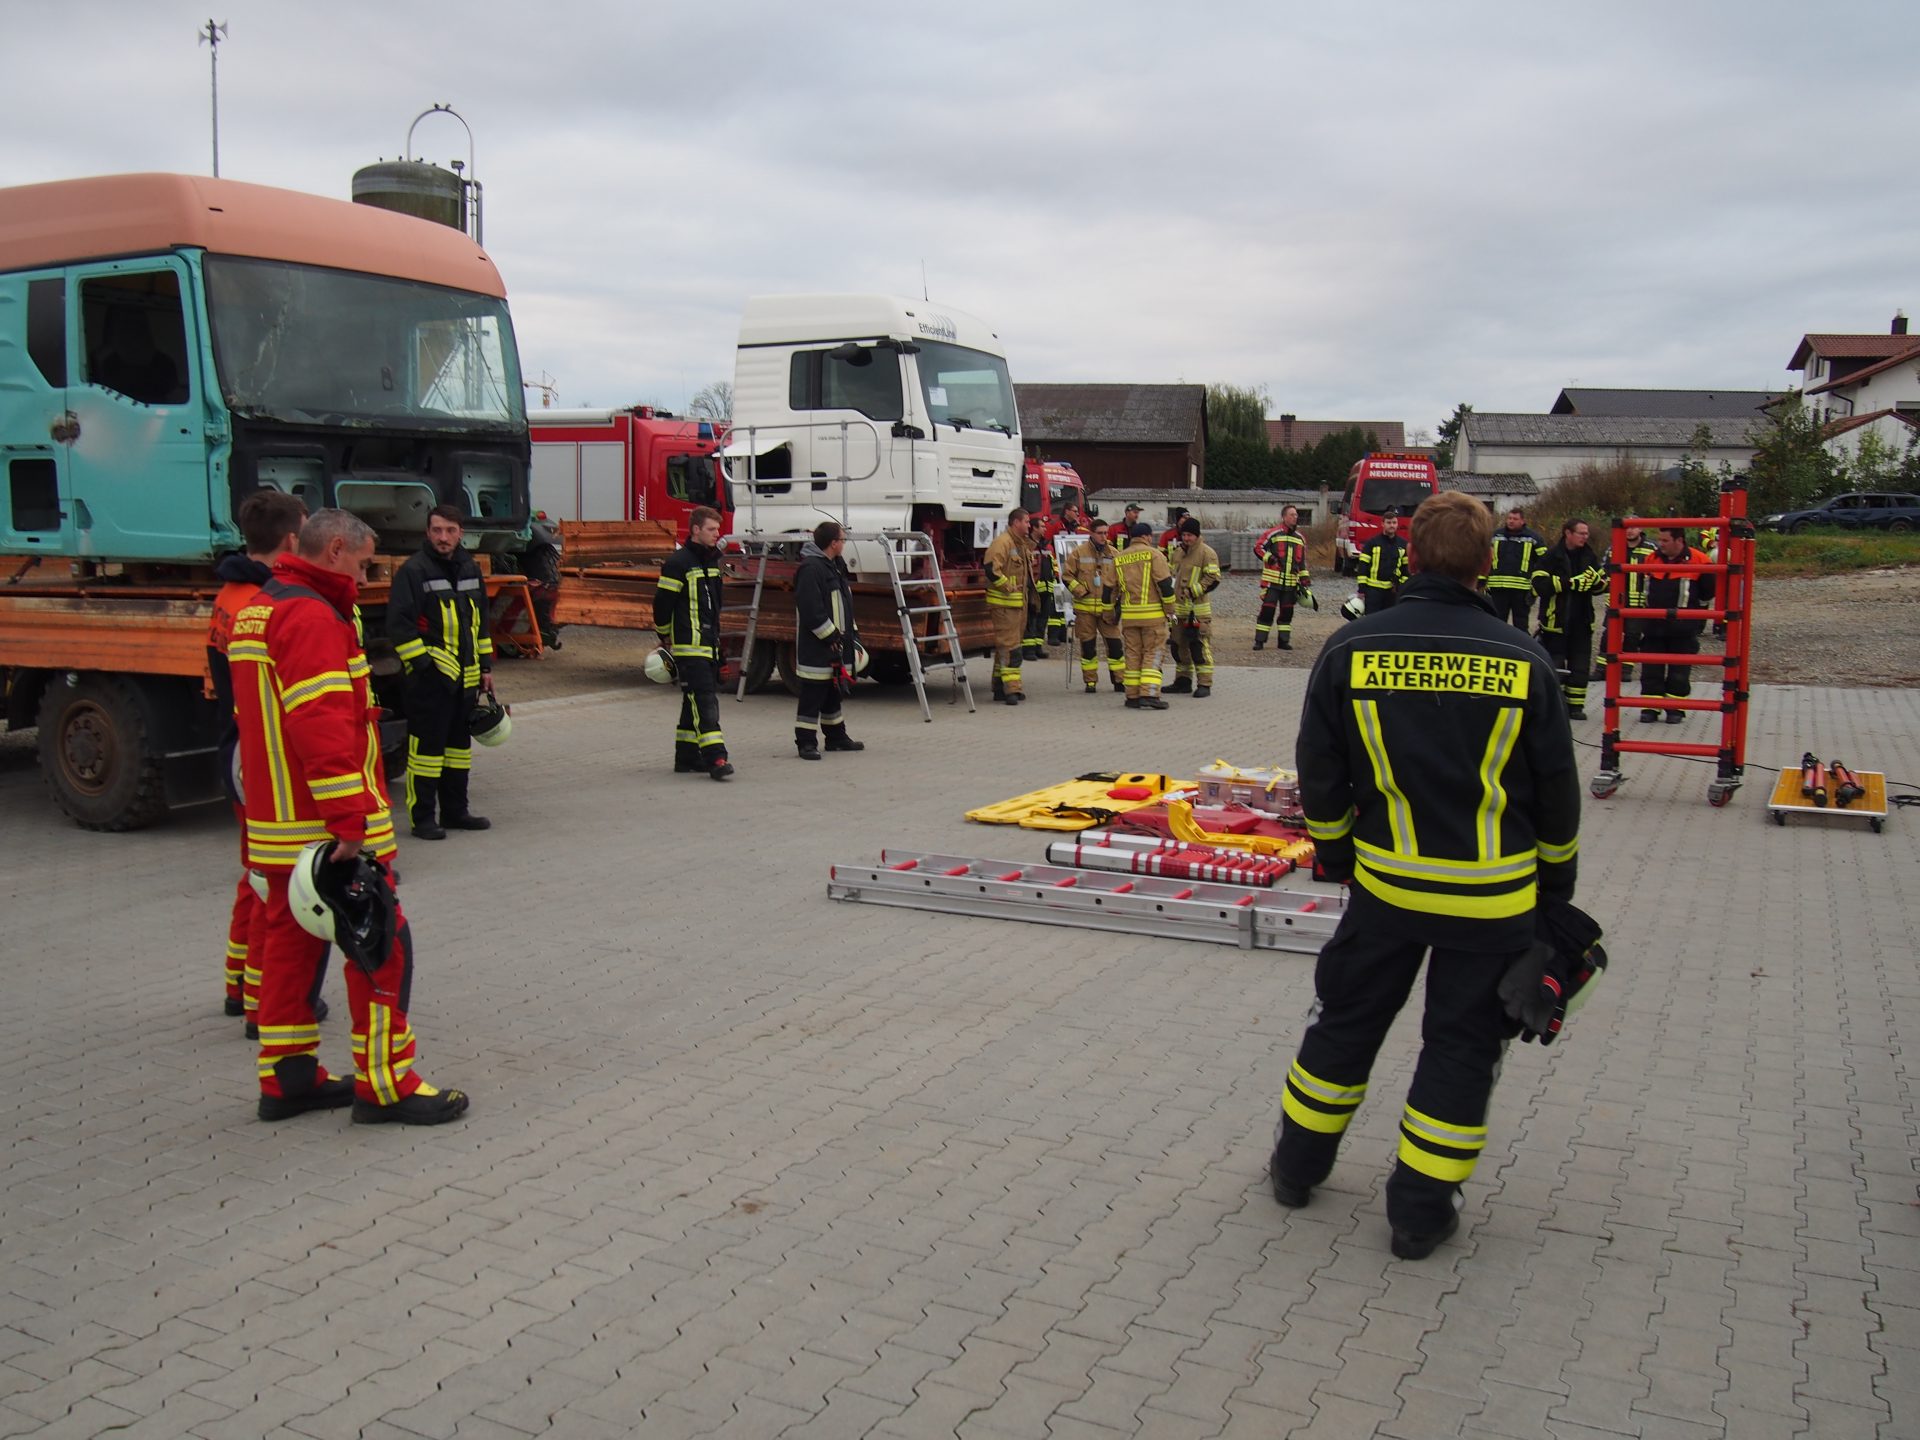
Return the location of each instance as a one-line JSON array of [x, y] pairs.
[[712, 402]]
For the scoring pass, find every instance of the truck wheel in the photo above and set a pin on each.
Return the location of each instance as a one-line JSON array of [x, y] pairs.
[[789, 669], [95, 755], [760, 666], [890, 667]]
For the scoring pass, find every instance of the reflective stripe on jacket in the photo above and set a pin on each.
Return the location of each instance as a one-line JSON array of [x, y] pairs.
[[309, 726], [1566, 582], [1089, 576], [686, 606], [1143, 583], [1008, 572], [1513, 557], [1283, 559], [1437, 768], [823, 606], [1196, 573], [436, 614], [1383, 563]]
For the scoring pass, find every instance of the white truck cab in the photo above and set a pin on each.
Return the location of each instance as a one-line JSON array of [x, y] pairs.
[[881, 412]]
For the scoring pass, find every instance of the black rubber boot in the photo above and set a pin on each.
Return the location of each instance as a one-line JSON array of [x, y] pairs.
[[838, 739], [807, 742], [1181, 686]]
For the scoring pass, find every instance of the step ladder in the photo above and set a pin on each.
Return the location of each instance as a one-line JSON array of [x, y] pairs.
[[761, 548], [1238, 915], [913, 565]]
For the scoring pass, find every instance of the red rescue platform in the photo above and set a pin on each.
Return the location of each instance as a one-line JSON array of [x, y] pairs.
[[1729, 561]]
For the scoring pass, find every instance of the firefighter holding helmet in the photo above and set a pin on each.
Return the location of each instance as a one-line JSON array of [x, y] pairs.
[[687, 616], [1437, 776], [316, 792]]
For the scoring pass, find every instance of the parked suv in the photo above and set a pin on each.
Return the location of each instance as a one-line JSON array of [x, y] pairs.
[[1861, 510]]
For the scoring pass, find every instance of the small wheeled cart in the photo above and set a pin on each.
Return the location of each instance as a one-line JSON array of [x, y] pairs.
[[1871, 806]]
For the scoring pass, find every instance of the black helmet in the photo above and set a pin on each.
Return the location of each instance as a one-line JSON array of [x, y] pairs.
[[347, 902]]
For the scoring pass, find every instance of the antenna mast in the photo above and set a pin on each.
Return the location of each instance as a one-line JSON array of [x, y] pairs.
[[211, 38]]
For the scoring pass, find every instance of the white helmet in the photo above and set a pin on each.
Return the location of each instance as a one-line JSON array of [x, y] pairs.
[[1354, 607], [491, 723], [859, 658], [659, 666], [348, 903]]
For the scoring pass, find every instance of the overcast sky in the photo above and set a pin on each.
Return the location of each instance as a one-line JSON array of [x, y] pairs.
[[1373, 210]]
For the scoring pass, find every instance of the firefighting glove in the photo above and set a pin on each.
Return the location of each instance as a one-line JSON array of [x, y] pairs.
[[1532, 993], [1333, 861]]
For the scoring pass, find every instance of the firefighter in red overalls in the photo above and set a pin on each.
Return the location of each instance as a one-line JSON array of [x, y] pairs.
[[310, 752], [269, 520]]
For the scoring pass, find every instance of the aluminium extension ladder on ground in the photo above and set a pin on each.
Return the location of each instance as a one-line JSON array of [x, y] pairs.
[[913, 569], [1250, 918]]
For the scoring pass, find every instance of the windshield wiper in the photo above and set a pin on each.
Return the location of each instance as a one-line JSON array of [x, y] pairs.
[[957, 423]]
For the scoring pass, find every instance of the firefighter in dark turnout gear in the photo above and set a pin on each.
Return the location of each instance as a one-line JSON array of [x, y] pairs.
[[1566, 578], [437, 620], [1510, 579], [1437, 775], [1383, 565], [1283, 580], [1667, 591], [686, 613], [824, 641]]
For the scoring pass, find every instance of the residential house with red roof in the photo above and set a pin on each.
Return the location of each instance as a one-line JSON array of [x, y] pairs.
[[1862, 384]]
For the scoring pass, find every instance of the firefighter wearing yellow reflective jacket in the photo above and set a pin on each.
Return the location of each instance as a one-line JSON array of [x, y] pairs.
[[1566, 578], [1090, 577], [437, 620], [1383, 565], [1196, 575], [1009, 568], [686, 612], [1284, 579], [1142, 596], [1437, 776]]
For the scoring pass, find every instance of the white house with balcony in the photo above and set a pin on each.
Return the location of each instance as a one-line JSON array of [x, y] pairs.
[[1857, 385]]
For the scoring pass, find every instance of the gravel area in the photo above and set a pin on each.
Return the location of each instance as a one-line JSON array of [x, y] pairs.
[[1849, 630], [1837, 630]]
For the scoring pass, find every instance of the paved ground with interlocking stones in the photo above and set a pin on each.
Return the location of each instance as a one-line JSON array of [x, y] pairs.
[[743, 1161]]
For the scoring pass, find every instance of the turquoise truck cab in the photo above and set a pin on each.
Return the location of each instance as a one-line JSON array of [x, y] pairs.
[[169, 343]]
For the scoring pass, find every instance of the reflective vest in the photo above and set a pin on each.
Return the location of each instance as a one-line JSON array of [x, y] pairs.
[[1143, 583], [1196, 573], [309, 725]]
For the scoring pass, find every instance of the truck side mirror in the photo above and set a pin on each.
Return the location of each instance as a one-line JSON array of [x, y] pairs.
[[1093, 511]]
